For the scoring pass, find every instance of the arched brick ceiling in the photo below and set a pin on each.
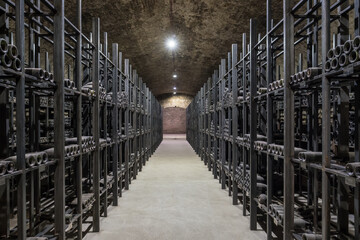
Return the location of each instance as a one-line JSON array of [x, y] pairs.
[[205, 30]]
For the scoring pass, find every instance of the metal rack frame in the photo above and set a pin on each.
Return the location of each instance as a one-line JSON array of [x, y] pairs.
[[66, 196], [315, 116]]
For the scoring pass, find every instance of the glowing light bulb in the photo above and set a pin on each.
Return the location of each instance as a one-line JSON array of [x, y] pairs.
[[171, 43]]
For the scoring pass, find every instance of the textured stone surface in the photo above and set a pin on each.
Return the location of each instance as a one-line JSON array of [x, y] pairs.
[[170, 100], [205, 30], [175, 197], [174, 120]]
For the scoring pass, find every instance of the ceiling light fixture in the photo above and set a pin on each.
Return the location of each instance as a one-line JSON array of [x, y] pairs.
[[171, 43], [174, 88], [174, 75]]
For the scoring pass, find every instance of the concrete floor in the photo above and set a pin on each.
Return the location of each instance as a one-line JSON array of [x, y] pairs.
[[175, 197], [174, 136]]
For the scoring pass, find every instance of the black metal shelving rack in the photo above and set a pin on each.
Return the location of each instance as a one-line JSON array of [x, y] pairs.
[[283, 122], [75, 128]]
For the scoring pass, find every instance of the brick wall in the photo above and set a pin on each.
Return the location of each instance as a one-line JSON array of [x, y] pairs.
[[174, 120], [174, 112]]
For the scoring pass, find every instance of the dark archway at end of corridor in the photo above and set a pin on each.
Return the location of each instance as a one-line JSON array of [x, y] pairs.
[[174, 120]]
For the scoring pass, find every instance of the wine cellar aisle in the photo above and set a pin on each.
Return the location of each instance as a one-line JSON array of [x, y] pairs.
[[175, 197], [273, 118]]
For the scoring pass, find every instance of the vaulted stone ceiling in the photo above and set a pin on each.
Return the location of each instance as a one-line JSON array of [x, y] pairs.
[[205, 30]]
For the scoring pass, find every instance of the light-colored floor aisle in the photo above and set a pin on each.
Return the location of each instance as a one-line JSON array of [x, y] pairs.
[[175, 197]]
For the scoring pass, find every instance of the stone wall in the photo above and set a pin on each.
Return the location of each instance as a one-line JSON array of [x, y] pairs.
[[178, 100]]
